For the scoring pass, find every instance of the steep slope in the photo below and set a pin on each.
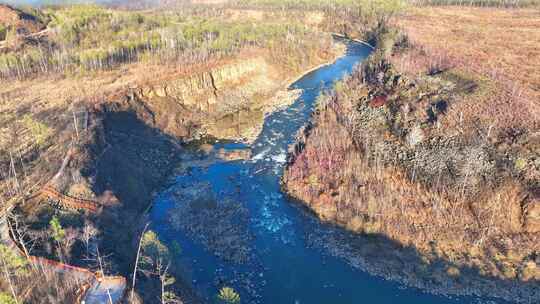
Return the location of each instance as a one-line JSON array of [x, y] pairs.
[[401, 158]]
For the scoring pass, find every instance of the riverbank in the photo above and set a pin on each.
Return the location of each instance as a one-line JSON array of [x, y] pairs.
[[400, 161], [231, 219], [113, 136], [286, 96], [127, 148]]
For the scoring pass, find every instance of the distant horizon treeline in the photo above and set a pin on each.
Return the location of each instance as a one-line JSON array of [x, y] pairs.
[[478, 3], [90, 37], [86, 38]]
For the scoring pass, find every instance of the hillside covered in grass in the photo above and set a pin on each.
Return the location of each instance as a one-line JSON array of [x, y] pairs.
[[434, 143]]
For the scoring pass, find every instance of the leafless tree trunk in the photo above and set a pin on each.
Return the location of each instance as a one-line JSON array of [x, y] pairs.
[[88, 234], [13, 172], [8, 278], [75, 123], [136, 264], [103, 274], [65, 162], [162, 278], [19, 232]]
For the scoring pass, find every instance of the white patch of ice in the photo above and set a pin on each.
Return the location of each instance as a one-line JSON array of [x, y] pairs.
[[281, 158], [261, 155]]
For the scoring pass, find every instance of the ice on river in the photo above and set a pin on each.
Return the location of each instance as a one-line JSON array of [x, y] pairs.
[[261, 155], [280, 158]]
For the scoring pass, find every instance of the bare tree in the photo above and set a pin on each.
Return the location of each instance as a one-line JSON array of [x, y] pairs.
[[137, 263], [102, 270], [89, 234], [13, 173], [12, 266], [21, 234], [8, 278], [162, 271]]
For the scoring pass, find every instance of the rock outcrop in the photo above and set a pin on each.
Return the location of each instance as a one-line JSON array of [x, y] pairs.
[[227, 101]]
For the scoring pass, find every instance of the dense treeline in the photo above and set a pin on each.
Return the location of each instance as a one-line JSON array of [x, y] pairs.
[[319, 4], [364, 4], [364, 10], [92, 38], [479, 3], [352, 18]]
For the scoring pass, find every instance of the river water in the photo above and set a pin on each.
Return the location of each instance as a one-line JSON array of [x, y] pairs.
[[286, 267]]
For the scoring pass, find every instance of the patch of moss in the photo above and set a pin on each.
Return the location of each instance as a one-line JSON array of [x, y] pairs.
[[520, 164], [39, 131]]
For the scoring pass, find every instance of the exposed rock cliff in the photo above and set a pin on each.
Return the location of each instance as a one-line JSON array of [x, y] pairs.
[[228, 101], [112, 140]]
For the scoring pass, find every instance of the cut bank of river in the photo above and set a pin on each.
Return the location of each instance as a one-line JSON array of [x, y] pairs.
[[285, 265]]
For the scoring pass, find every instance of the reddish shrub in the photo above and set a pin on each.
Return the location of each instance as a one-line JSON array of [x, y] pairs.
[[378, 101]]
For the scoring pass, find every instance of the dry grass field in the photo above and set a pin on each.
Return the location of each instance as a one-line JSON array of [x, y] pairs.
[[497, 50], [492, 41]]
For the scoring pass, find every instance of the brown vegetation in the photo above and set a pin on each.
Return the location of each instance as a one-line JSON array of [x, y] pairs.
[[18, 21], [433, 150], [123, 124], [67, 201], [490, 45]]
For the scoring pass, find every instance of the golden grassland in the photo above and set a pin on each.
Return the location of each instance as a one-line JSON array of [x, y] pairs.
[[491, 41], [496, 48]]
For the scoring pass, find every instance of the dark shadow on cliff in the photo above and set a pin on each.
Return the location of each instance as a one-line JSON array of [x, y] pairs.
[[130, 159]]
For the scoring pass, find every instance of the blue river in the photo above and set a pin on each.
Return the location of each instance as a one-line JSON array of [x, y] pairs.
[[286, 267]]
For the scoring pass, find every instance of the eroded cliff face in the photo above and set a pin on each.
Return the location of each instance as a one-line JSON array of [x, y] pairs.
[[113, 140], [92, 149], [225, 102], [228, 101]]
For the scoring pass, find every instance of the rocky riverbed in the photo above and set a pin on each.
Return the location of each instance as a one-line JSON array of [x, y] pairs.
[[220, 225]]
